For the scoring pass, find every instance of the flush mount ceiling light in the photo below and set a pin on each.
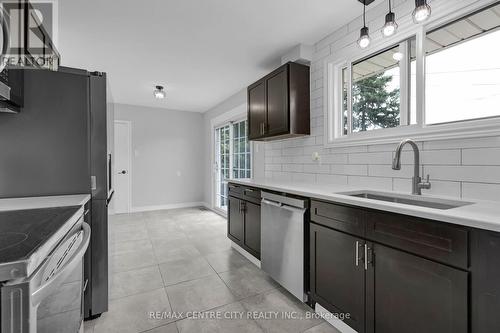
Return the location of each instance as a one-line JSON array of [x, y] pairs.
[[159, 93], [364, 34], [390, 25], [422, 11]]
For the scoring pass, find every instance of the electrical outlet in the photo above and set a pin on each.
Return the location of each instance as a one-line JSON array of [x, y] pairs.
[[316, 157]]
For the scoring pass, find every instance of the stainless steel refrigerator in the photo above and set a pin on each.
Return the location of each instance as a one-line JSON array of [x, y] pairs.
[[58, 144]]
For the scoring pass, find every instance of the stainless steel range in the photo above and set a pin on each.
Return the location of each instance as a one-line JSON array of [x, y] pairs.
[[41, 270]]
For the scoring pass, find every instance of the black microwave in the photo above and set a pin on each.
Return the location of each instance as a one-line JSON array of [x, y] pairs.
[[11, 90]]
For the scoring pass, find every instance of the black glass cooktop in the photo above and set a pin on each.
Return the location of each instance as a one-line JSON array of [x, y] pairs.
[[22, 232]]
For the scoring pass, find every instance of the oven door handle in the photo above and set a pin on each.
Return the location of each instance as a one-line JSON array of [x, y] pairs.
[[58, 278]]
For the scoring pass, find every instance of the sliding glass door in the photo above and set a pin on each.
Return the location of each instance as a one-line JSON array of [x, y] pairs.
[[233, 158]]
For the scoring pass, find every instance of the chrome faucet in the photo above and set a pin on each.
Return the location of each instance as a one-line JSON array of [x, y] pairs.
[[417, 184]]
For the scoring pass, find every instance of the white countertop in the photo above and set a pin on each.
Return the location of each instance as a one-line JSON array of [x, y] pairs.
[[43, 202], [480, 214]]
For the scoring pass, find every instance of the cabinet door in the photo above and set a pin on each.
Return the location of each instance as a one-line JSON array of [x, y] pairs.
[[406, 293], [256, 110], [252, 228], [337, 278], [235, 221], [277, 102]]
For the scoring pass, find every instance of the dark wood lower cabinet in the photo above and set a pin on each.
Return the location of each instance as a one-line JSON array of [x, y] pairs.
[[391, 287], [252, 227], [406, 293], [485, 281], [337, 278], [243, 225], [236, 222]]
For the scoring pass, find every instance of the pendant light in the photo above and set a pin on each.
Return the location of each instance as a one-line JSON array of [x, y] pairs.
[[422, 11], [390, 25], [159, 93], [364, 34]]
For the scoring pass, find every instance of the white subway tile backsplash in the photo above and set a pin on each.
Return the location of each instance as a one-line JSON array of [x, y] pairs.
[[387, 171], [292, 151], [479, 174], [304, 177], [349, 169], [317, 168], [370, 158], [293, 168], [273, 167], [335, 158], [463, 143], [331, 179], [481, 156], [378, 183], [478, 191], [433, 157]]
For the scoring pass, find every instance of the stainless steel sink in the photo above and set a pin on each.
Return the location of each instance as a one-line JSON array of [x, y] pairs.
[[413, 200]]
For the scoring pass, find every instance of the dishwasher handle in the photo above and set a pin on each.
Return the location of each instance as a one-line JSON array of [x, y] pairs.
[[272, 203]]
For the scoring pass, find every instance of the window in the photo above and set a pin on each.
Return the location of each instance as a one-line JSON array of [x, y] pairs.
[[442, 83], [375, 85], [232, 158], [462, 75], [241, 151], [222, 145]]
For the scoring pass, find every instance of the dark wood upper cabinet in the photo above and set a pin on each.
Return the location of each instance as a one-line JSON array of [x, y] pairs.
[[256, 109], [406, 293], [278, 104]]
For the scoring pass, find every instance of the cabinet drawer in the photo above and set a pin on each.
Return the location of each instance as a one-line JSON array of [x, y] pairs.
[[252, 195], [235, 190], [434, 240], [245, 193], [338, 217]]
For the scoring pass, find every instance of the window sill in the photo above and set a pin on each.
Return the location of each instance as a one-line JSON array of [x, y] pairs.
[[462, 130]]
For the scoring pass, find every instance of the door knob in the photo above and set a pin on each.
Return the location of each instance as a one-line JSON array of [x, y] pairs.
[[123, 172]]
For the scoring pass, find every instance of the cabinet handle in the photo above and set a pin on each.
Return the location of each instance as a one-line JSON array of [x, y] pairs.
[[367, 249], [248, 190], [357, 253]]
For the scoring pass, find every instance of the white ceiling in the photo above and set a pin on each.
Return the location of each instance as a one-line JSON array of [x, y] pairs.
[[203, 51]]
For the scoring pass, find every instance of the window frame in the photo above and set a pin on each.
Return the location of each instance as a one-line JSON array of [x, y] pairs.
[[227, 119], [333, 111]]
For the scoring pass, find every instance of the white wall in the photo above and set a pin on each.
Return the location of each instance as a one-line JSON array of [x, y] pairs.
[[167, 156], [468, 168], [237, 101]]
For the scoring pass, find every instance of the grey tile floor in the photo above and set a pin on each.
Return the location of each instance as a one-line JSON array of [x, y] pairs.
[[180, 262]]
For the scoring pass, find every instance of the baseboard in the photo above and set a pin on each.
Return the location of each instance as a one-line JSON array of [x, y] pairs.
[[246, 254], [335, 322], [168, 206]]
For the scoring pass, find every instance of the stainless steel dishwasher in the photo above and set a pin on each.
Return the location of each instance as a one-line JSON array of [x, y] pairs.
[[282, 241]]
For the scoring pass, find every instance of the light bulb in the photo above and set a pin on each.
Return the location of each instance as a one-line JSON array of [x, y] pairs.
[[364, 38], [422, 12], [159, 93], [390, 25]]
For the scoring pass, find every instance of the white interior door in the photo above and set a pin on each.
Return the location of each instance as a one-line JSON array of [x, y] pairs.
[[122, 172]]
